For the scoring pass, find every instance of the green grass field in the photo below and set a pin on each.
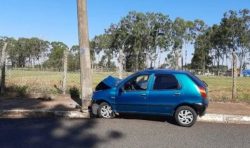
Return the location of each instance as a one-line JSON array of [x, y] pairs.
[[220, 88], [50, 83]]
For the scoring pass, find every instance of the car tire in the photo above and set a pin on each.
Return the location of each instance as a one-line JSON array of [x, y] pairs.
[[105, 111], [185, 116]]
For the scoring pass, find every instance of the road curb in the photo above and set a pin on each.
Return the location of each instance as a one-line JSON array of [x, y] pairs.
[[18, 113], [42, 113], [222, 118]]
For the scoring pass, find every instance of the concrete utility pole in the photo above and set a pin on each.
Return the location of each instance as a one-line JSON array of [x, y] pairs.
[[85, 63], [3, 62]]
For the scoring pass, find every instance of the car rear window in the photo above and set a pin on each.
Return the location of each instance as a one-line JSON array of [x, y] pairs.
[[197, 81], [165, 82]]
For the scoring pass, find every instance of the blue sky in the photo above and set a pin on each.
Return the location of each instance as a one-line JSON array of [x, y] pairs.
[[55, 20]]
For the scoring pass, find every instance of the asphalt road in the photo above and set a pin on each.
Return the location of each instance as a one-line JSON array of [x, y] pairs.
[[127, 133]]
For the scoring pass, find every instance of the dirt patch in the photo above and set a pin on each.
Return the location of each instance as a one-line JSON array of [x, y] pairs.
[[229, 108]]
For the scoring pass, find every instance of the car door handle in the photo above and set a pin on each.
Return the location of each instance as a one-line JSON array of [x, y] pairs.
[[177, 94]]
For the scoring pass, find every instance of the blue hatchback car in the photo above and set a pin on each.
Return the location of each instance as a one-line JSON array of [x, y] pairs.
[[154, 92], [246, 73]]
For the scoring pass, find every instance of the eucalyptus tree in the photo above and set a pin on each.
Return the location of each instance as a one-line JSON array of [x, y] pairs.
[[74, 58], [138, 31], [126, 40], [36, 47], [56, 55], [102, 44], [25, 49], [130, 40], [218, 46], [74, 55], [201, 58], [178, 34], [184, 33], [158, 36], [12, 51], [244, 16], [119, 36], [112, 33], [137, 37], [233, 29]]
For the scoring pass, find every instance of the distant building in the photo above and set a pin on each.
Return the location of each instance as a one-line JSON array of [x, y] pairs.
[[229, 72]]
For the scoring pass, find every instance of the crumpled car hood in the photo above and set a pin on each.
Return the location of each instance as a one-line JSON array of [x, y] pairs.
[[111, 81], [107, 83]]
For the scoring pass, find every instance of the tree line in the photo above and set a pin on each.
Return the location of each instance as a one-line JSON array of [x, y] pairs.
[[140, 40], [38, 53], [229, 40], [144, 40]]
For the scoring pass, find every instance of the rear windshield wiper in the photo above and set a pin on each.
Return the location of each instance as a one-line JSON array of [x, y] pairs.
[[205, 83]]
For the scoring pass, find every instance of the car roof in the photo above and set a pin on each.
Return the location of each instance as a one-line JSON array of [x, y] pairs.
[[246, 71], [168, 71], [162, 71]]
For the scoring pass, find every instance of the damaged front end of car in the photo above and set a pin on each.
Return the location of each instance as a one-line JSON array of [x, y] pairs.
[[104, 92]]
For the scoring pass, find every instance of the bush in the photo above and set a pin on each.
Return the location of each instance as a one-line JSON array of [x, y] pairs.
[[21, 91], [75, 95]]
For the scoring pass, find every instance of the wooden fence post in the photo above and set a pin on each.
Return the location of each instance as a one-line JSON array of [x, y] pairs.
[[3, 62], [234, 76], [65, 70]]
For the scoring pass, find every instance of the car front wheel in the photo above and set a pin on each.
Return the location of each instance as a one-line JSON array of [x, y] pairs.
[[105, 111], [185, 116]]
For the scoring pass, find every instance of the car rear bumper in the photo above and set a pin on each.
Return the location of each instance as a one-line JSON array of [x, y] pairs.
[[201, 108]]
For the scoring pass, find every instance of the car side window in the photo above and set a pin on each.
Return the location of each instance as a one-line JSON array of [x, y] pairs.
[[137, 83], [165, 82]]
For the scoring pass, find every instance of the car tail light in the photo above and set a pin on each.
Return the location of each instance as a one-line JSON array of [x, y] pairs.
[[203, 92]]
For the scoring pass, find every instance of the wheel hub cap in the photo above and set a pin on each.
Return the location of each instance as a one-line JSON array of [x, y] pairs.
[[185, 116], [106, 111]]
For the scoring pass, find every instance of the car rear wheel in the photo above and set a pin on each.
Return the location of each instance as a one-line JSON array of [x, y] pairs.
[[185, 116], [105, 111]]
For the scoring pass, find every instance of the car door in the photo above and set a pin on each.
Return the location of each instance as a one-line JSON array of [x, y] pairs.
[[132, 95], [164, 94]]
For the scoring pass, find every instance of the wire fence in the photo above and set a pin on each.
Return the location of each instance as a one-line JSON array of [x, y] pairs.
[[49, 81], [27, 80]]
